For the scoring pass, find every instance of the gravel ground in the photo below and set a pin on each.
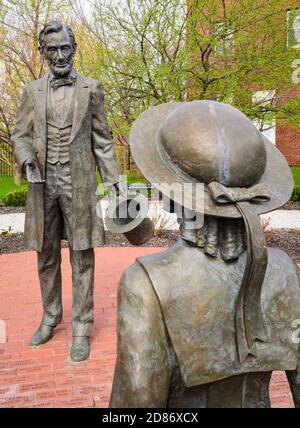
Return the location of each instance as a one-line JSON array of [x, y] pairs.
[[11, 210], [285, 239]]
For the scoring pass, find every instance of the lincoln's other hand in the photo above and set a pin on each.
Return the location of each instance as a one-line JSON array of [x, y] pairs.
[[33, 174]]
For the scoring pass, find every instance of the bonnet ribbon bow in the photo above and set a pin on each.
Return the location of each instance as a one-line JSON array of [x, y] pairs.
[[248, 320]]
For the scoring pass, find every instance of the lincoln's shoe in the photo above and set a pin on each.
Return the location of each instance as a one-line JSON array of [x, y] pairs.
[[80, 349], [42, 335], [58, 115]]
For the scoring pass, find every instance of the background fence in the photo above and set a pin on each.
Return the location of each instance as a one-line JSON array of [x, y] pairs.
[[123, 155], [6, 156]]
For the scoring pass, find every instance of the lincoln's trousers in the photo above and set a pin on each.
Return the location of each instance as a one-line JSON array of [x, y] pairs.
[[57, 222]]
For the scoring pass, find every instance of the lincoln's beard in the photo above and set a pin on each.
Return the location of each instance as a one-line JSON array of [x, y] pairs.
[[61, 70]]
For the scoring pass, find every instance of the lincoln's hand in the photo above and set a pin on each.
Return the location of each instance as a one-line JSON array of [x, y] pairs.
[[33, 174]]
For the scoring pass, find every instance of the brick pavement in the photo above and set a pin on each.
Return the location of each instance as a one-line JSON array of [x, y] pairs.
[[44, 376]]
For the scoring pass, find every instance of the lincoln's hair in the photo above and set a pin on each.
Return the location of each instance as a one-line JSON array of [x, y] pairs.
[[55, 27]]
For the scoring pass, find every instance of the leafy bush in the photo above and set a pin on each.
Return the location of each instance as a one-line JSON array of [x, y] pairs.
[[296, 194], [7, 184], [296, 175], [16, 199]]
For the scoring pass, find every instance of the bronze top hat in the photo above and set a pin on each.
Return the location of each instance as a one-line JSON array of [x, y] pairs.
[[128, 215]]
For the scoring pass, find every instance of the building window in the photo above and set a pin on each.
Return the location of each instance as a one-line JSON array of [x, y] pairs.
[[293, 28]]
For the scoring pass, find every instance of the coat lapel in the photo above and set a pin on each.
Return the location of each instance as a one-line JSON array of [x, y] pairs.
[[41, 103], [82, 99]]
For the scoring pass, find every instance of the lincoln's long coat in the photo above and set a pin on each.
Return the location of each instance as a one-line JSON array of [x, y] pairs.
[[90, 139]]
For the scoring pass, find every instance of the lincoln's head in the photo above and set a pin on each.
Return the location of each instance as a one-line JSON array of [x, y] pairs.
[[57, 45]]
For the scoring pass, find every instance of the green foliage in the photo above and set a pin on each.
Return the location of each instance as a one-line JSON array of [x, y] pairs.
[[147, 52], [296, 194], [296, 175], [256, 59], [8, 185], [20, 61], [7, 232], [132, 179], [16, 199]]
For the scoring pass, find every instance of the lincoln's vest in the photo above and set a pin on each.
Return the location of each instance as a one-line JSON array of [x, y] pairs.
[[59, 133], [197, 295]]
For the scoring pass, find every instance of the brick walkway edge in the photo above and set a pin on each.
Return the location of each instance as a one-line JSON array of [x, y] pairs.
[[44, 376]]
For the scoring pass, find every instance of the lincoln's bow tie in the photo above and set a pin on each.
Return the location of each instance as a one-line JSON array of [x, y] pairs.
[[56, 82]]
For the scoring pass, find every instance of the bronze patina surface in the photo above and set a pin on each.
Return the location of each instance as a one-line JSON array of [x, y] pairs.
[[176, 332], [153, 156], [205, 323], [61, 132]]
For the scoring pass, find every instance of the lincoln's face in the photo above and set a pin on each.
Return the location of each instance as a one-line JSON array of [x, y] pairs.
[[59, 51]]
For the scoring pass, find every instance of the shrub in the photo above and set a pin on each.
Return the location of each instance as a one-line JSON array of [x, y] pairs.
[[296, 194], [16, 199]]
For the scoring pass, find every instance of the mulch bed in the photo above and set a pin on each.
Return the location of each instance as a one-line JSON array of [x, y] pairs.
[[15, 242], [12, 210], [12, 244], [166, 239], [287, 240], [292, 206]]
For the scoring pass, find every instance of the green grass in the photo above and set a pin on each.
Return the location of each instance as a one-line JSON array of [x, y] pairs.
[[7, 185], [296, 175], [130, 179]]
